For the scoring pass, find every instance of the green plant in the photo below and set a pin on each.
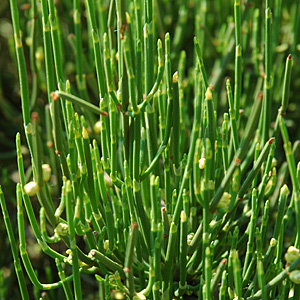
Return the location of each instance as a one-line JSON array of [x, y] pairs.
[[166, 191]]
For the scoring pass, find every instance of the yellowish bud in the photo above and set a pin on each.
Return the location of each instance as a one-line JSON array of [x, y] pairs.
[[31, 188], [69, 258], [139, 296], [46, 172], [211, 185], [292, 254], [273, 242], [106, 244], [183, 216], [119, 296], [190, 238], [28, 128], [285, 190], [202, 162], [295, 276], [128, 20], [97, 127], [208, 94], [39, 54], [274, 162], [224, 201], [175, 77], [61, 229], [28, 41], [85, 134], [213, 224]]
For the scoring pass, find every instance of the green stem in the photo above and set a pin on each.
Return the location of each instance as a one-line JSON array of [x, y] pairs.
[[13, 245], [83, 103]]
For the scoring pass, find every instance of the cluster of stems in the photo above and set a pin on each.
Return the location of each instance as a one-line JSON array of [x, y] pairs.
[[163, 192]]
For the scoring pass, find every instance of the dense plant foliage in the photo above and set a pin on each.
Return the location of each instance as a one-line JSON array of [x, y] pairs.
[[162, 155]]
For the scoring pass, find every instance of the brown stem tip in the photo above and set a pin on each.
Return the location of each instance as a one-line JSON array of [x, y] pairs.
[[103, 113], [34, 116], [54, 96], [271, 140], [134, 225], [237, 161], [260, 95]]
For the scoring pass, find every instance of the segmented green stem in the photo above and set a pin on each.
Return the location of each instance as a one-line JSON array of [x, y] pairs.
[[12, 241]]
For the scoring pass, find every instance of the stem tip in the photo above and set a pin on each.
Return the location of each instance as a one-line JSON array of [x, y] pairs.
[[54, 96]]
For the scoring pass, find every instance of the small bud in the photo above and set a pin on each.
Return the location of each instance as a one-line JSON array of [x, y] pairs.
[[211, 185], [69, 259], [139, 296], [39, 54], [183, 216], [108, 181], [224, 201], [208, 94], [202, 162], [46, 172], [128, 20], [213, 224], [106, 244], [31, 188], [292, 254], [28, 128], [273, 242], [61, 229], [54, 96], [175, 77], [49, 144], [295, 276], [285, 190], [190, 238], [83, 169], [28, 41], [97, 127], [91, 253], [82, 264], [119, 296], [85, 134]]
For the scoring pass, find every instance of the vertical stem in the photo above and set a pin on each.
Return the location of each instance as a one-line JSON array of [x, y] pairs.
[[238, 58], [97, 50], [24, 89], [268, 76], [71, 229], [12, 241]]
